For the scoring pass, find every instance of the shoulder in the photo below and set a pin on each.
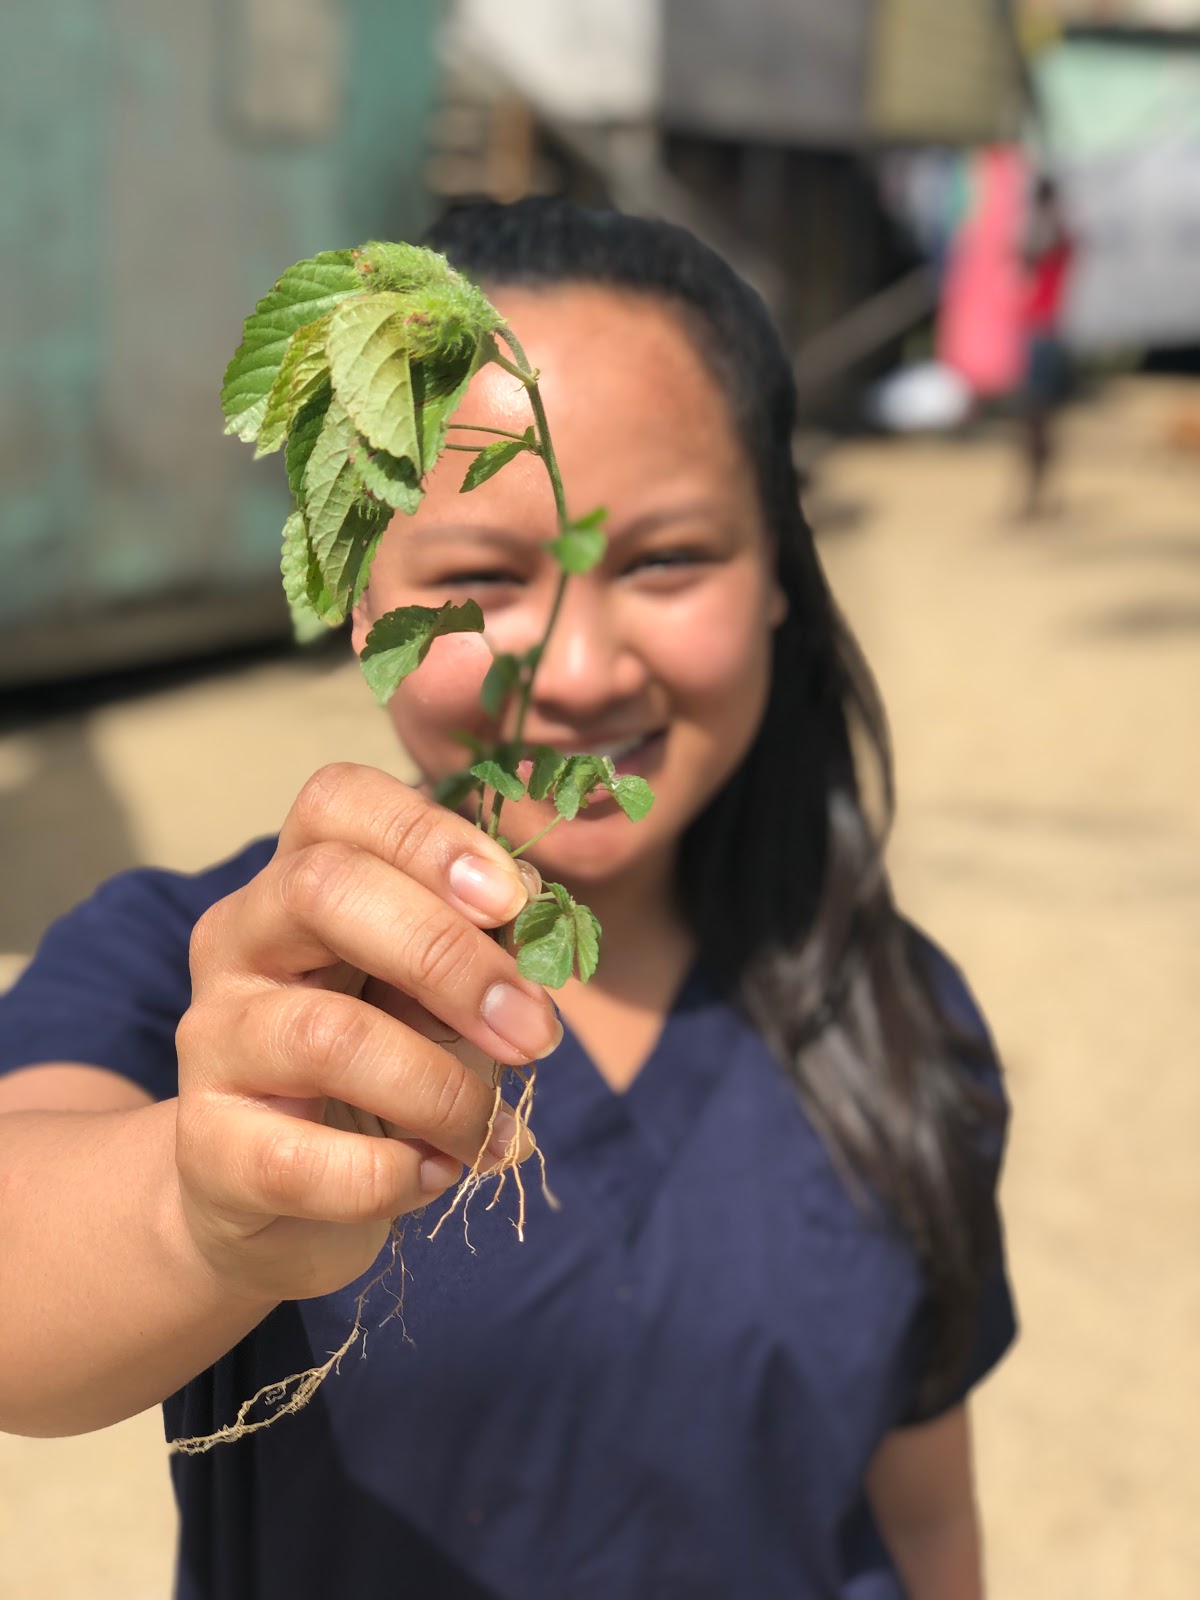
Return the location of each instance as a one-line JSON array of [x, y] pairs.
[[110, 979]]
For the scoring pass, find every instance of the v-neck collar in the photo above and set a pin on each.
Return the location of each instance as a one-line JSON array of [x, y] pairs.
[[619, 1145]]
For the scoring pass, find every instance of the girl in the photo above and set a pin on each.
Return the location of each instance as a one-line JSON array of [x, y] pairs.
[[736, 1361]]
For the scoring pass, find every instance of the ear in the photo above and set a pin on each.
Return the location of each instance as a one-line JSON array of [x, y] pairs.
[[778, 605]]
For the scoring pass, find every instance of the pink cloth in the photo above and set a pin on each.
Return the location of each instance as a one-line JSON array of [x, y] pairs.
[[981, 319]]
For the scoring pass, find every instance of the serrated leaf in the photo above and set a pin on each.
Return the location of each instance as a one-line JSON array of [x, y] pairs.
[[634, 796], [391, 479], [495, 777], [305, 432], [304, 369], [307, 624], [400, 641], [331, 498], [547, 764], [549, 960], [303, 294], [587, 942], [535, 920], [369, 365], [578, 550], [453, 789], [579, 777], [502, 678], [492, 457], [438, 391]]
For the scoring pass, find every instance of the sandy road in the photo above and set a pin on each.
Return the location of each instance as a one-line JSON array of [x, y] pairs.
[[1044, 686]]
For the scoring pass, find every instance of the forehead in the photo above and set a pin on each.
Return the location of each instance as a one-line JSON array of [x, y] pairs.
[[621, 379]]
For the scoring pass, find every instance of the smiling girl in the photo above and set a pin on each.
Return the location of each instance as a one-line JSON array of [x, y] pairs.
[[737, 1361]]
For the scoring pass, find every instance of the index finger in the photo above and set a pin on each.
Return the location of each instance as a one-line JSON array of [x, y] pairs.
[[437, 848]]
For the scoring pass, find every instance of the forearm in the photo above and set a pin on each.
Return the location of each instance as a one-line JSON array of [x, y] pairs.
[[939, 1560], [107, 1306]]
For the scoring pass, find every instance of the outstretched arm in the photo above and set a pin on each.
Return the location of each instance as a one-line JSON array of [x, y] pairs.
[[922, 1494]]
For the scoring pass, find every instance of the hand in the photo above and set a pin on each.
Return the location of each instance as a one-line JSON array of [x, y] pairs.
[[335, 1065]]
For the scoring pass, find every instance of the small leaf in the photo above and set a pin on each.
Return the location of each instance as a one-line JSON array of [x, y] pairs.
[[304, 368], [502, 678], [594, 519], [535, 920], [547, 764], [561, 896], [453, 789], [307, 623], [495, 777], [549, 960], [494, 456], [580, 776], [368, 361], [587, 942], [400, 641], [634, 796], [578, 550], [391, 479], [340, 523], [304, 294]]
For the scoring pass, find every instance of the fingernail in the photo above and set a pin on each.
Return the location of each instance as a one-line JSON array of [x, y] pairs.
[[487, 887], [530, 877], [437, 1172], [521, 1020]]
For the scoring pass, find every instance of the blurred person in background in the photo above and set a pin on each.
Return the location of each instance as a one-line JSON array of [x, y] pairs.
[[738, 1361], [1048, 256]]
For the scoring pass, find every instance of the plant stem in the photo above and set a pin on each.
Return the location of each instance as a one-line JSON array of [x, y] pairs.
[[521, 849], [528, 377], [477, 427]]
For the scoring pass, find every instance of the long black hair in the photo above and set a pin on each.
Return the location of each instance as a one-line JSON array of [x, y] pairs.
[[782, 876]]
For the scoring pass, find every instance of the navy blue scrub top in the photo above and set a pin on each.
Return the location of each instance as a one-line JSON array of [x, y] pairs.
[[670, 1391]]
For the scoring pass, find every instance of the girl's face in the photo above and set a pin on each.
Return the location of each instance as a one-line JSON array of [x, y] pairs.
[[661, 655]]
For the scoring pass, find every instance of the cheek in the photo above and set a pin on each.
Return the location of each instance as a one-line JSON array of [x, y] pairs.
[[715, 653], [442, 695]]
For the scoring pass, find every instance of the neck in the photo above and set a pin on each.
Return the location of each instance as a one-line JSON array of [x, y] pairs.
[[644, 930]]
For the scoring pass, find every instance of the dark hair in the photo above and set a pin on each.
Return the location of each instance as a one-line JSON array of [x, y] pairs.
[[782, 876]]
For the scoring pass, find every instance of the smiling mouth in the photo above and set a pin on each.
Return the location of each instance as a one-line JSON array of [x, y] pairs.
[[635, 755]]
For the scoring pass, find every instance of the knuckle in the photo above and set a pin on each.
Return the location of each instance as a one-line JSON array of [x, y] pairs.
[[456, 1102], [291, 1163], [316, 878], [442, 954], [409, 830], [205, 942], [318, 1028], [317, 803]]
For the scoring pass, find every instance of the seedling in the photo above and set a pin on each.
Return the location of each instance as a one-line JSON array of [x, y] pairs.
[[355, 365]]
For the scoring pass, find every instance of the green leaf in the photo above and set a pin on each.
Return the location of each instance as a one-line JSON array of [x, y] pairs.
[[494, 456], [307, 623], [453, 789], [549, 960], [304, 368], [369, 364], [561, 896], [495, 777], [535, 920], [502, 678], [438, 391], [634, 796], [400, 641], [332, 490], [578, 550], [580, 776], [305, 432], [304, 294], [547, 764], [587, 942], [391, 479], [594, 519]]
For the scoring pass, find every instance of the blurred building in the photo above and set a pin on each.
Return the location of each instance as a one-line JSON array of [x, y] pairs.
[[758, 124]]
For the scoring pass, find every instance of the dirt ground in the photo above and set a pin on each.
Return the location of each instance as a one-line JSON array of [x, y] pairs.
[[1044, 687]]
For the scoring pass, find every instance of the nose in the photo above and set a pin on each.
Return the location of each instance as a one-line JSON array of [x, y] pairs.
[[588, 665]]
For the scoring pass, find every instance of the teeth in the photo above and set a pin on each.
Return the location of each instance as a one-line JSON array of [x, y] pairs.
[[614, 752]]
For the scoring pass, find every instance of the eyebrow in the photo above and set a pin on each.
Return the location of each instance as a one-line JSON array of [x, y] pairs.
[[505, 538]]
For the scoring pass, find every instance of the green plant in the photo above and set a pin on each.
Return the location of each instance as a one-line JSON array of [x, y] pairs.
[[355, 365]]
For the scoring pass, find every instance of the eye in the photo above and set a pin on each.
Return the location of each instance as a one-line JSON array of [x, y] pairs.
[[480, 578], [668, 561]]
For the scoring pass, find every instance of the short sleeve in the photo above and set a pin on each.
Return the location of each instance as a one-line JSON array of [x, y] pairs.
[[110, 980], [995, 1327]]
